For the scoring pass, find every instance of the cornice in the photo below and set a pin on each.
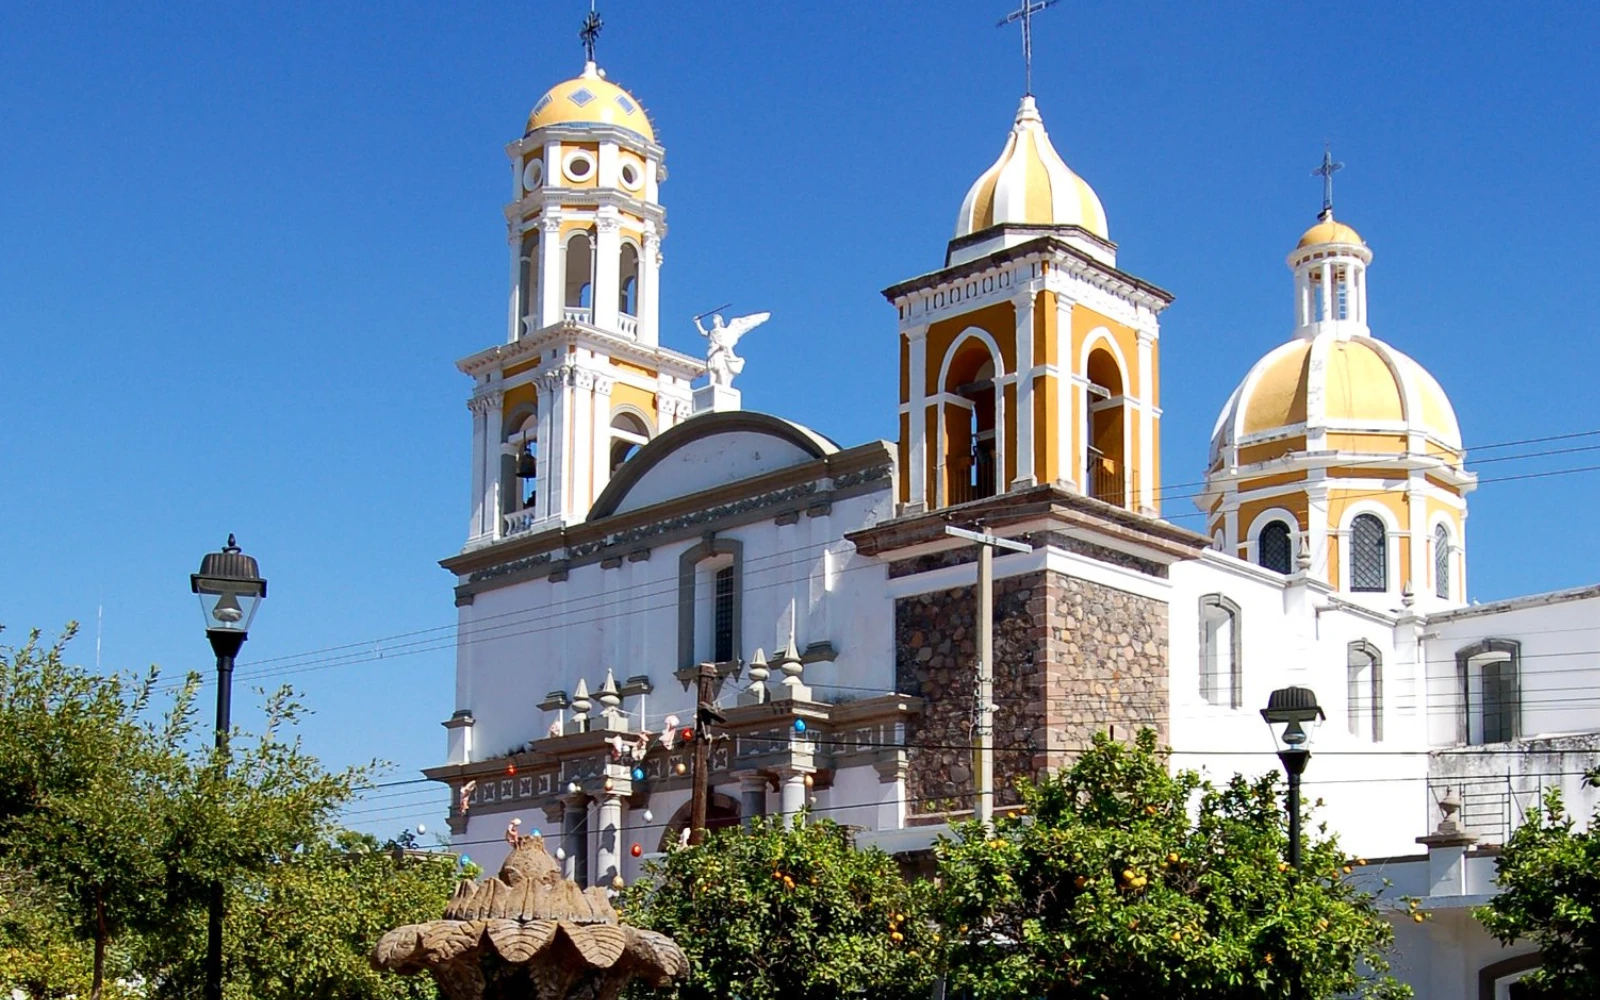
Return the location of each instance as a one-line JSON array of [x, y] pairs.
[[569, 333], [591, 132], [532, 208], [1049, 249]]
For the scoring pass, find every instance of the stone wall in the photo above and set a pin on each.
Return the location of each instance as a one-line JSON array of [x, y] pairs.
[[1071, 658]]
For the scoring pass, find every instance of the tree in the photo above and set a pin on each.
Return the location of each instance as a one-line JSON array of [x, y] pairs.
[[305, 928], [1125, 882], [1549, 877], [797, 914]]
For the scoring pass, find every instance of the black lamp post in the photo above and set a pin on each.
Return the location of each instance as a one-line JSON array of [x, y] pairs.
[[230, 587], [1297, 711]]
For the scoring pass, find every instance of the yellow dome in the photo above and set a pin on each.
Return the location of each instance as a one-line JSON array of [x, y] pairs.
[[1328, 382], [1328, 231], [590, 99], [1030, 185]]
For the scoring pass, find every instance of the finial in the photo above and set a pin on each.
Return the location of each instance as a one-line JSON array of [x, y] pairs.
[[591, 32], [1025, 15], [232, 545], [1326, 172]]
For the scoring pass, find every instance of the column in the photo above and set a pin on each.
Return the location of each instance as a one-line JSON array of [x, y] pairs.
[[1146, 499], [575, 838], [607, 261], [917, 422], [600, 423], [1317, 531], [513, 321], [553, 422], [1022, 466], [792, 794], [608, 848], [551, 283], [649, 293], [579, 463], [1325, 275], [1417, 577], [752, 797], [477, 406]]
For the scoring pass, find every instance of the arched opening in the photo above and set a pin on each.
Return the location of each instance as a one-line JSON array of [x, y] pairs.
[[1369, 554], [722, 812], [1221, 675], [1274, 549], [519, 463], [628, 281], [528, 285], [1441, 561], [579, 266], [628, 435], [1106, 477], [971, 424]]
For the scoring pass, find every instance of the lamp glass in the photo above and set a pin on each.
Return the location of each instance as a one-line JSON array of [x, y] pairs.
[[228, 605]]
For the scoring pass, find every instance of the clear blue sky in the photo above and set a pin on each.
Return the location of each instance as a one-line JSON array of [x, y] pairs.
[[243, 245]]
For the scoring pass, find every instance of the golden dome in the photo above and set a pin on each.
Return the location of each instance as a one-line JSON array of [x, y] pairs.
[[1357, 383], [1030, 185], [1328, 231], [590, 99]]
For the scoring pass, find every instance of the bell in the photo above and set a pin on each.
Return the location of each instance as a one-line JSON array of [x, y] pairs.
[[527, 468]]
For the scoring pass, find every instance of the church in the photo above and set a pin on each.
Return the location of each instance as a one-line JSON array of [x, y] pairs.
[[631, 522]]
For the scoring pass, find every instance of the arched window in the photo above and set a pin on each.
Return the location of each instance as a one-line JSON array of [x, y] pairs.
[[971, 424], [579, 291], [1369, 554], [1441, 561], [1106, 477], [1273, 547], [528, 285], [1489, 675], [628, 281], [1364, 704], [1221, 676], [628, 435]]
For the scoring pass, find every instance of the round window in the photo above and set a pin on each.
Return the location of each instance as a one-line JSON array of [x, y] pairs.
[[533, 175], [631, 176], [579, 165]]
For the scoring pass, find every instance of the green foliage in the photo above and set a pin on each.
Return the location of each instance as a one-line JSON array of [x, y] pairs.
[[797, 914], [115, 823], [1126, 882], [1549, 876]]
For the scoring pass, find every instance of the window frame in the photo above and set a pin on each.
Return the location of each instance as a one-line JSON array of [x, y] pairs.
[[1385, 563], [689, 573], [1288, 543], [1211, 608], [1372, 698], [1498, 653]]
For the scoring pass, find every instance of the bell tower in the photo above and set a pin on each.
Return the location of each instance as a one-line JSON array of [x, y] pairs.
[[1029, 358], [581, 381]]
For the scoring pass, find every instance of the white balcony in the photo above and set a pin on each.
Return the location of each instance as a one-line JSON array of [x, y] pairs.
[[517, 523], [578, 314], [627, 325]]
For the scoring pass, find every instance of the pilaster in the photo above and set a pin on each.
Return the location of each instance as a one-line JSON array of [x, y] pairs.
[[1147, 424], [608, 255], [1023, 464], [550, 283], [917, 424], [649, 290]]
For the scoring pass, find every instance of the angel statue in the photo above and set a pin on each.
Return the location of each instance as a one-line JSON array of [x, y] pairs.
[[721, 363]]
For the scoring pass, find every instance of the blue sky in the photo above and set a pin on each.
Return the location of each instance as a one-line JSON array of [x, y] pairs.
[[243, 245]]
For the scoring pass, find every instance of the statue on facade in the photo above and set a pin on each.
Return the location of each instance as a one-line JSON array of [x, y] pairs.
[[721, 363]]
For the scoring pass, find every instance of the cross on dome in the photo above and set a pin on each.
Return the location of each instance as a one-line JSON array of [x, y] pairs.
[[1025, 15], [1326, 172], [591, 32]]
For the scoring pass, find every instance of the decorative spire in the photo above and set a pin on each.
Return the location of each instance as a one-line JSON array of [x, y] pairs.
[[1025, 15], [1326, 172], [591, 32]]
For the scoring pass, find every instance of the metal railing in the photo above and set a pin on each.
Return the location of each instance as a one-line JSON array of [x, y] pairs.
[[1106, 479]]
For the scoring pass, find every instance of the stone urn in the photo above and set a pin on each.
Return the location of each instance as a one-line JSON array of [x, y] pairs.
[[529, 934]]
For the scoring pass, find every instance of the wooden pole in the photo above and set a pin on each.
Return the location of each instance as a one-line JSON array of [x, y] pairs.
[[705, 694], [985, 769]]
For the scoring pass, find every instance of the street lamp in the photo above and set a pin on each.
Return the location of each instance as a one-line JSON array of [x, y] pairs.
[[1296, 709], [230, 587]]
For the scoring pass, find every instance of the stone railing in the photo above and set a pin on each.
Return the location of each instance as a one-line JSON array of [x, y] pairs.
[[578, 314], [627, 325]]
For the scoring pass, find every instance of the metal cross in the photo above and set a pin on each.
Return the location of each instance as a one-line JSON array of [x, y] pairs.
[[1025, 15], [591, 32], [1326, 172]]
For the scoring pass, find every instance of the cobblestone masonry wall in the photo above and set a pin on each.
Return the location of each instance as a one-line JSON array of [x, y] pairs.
[[1071, 658]]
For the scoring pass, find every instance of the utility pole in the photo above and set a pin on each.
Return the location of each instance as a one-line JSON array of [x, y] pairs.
[[984, 756], [704, 716]]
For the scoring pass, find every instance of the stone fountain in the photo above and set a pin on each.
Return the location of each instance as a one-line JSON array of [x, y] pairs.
[[529, 934]]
